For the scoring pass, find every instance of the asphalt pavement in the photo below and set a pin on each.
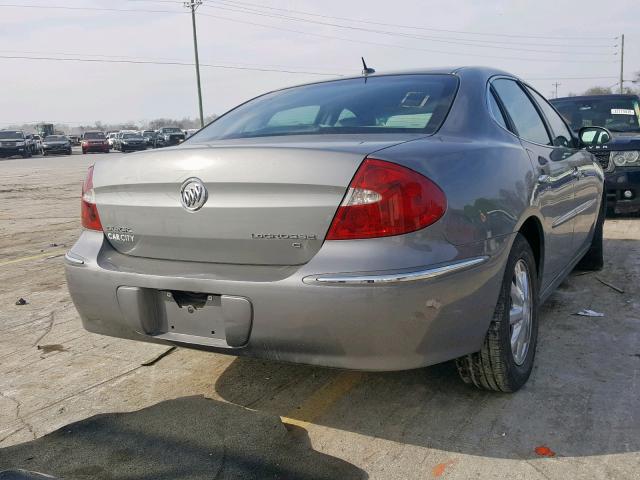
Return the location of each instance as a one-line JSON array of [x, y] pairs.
[[577, 418]]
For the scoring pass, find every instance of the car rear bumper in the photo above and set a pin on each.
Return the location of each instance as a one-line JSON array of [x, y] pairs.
[[11, 151], [378, 321], [620, 181], [95, 148], [64, 150], [133, 147]]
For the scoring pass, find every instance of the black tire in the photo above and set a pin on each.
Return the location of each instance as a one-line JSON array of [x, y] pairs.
[[494, 366], [593, 260]]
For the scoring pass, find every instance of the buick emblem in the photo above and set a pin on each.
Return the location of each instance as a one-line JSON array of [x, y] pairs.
[[193, 194]]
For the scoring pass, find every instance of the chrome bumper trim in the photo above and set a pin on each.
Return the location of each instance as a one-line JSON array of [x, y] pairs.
[[73, 259], [395, 277]]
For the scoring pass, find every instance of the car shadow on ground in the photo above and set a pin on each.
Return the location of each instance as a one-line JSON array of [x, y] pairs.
[[581, 400], [189, 437]]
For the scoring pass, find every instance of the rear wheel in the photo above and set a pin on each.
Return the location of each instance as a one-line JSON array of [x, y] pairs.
[[506, 359], [594, 258]]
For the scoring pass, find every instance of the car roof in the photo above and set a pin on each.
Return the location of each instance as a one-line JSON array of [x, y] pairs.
[[596, 97], [486, 72]]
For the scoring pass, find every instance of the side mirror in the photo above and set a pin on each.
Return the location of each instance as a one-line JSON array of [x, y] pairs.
[[593, 136]]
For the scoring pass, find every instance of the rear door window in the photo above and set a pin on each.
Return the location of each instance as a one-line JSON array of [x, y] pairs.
[[526, 119], [561, 135]]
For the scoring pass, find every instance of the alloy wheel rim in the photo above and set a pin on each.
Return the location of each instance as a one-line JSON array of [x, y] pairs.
[[520, 312]]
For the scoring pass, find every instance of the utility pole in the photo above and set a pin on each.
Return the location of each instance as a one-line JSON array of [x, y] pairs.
[[557, 84], [622, 63], [193, 5]]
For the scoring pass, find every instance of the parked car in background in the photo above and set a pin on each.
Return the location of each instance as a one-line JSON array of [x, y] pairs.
[[382, 225], [13, 142], [74, 139], [130, 141], [620, 156], [190, 131], [94, 142], [149, 137], [168, 136], [111, 139], [37, 139], [56, 144], [30, 142]]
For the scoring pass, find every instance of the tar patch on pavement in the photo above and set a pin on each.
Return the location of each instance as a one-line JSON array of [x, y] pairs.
[[185, 438]]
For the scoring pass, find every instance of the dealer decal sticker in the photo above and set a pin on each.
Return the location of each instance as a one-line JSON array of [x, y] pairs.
[[622, 111]]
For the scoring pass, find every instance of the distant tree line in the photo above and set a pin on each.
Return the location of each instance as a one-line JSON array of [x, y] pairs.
[[155, 124], [598, 90]]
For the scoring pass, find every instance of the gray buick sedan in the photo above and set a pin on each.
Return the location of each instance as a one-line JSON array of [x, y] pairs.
[[383, 222]]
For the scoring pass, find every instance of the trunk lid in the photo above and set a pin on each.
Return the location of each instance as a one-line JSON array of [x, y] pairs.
[[270, 201]]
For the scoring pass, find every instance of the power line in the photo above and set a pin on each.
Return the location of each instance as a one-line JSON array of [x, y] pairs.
[[465, 32], [390, 45], [303, 33], [243, 66], [569, 78], [96, 9], [456, 41], [149, 62], [159, 59]]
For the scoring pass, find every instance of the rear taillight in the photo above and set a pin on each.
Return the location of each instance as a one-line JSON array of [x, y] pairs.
[[386, 199], [89, 211]]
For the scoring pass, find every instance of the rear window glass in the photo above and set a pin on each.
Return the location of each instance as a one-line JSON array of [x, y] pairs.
[[94, 135], [385, 104], [11, 134]]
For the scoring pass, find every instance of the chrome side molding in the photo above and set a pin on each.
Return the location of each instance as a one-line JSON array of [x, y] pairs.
[[390, 278], [573, 213]]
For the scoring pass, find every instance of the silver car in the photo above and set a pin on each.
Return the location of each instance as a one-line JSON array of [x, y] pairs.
[[382, 222]]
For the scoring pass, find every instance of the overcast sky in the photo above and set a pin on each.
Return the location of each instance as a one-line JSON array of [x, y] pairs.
[[541, 40]]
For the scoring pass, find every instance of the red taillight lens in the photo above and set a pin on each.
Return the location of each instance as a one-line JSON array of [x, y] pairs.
[[89, 212], [386, 199]]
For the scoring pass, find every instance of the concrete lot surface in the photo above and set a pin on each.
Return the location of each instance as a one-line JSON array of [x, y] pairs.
[[580, 409]]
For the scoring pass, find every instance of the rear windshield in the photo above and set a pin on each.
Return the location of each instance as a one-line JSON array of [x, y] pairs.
[[385, 104], [11, 134], [94, 135], [616, 114], [55, 138], [130, 135], [171, 130]]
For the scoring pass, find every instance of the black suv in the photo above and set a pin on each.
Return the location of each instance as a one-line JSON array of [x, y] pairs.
[[167, 136], [620, 157], [14, 142]]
